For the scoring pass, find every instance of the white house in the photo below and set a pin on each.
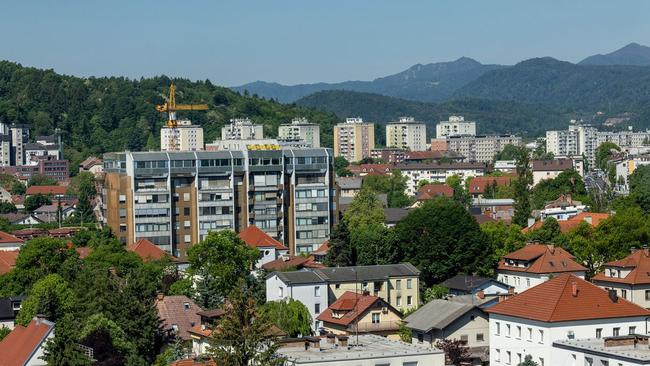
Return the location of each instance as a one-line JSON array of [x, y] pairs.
[[629, 277], [629, 350], [437, 172], [26, 345], [269, 248], [308, 287], [535, 264], [549, 169], [565, 307], [10, 242]]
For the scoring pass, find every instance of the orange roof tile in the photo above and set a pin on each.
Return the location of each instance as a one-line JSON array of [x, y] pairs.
[[55, 190], [179, 311], [194, 362], [289, 262], [429, 191], [256, 238], [147, 250], [555, 301], [323, 249], [593, 218], [354, 305], [7, 260], [84, 252], [639, 261], [8, 238], [543, 259], [477, 185], [20, 344]]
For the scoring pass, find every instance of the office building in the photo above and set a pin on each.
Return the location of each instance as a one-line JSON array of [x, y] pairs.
[[173, 199], [481, 148], [354, 139], [456, 125], [242, 129], [407, 134], [184, 137], [300, 130]]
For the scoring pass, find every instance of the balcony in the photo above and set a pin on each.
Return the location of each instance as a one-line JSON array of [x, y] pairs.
[[368, 327]]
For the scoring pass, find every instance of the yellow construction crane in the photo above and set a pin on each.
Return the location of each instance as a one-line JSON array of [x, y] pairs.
[[170, 107]]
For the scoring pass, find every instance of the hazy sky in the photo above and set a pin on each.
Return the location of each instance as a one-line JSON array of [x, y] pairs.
[[297, 41]]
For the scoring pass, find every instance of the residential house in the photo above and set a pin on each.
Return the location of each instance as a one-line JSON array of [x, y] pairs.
[[535, 264], [472, 285], [592, 218], [25, 346], [269, 248], [178, 314], [432, 156], [20, 218], [148, 251], [9, 307], [292, 262], [495, 208], [479, 185], [430, 191], [50, 213], [361, 170], [9, 242], [308, 287], [194, 362], [562, 208], [629, 277], [349, 186], [93, 165], [628, 350], [565, 307], [549, 169], [354, 313], [442, 319], [437, 172], [7, 260]]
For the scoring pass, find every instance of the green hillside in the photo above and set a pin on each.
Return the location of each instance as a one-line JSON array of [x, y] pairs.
[[96, 115]]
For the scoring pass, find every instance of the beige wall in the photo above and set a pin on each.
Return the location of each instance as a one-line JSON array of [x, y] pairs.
[[471, 325], [633, 293], [387, 320], [363, 135], [390, 291]]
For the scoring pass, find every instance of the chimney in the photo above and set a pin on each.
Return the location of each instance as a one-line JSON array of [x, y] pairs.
[[551, 248], [511, 290], [331, 338], [612, 295], [313, 343], [589, 220], [531, 221], [38, 319], [343, 340], [574, 289], [481, 294]]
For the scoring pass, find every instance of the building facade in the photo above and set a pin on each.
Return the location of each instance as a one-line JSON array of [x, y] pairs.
[[354, 140], [174, 199], [301, 130], [481, 148], [407, 134], [310, 288], [184, 137], [628, 277], [456, 125], [242, 129], [434, 172]]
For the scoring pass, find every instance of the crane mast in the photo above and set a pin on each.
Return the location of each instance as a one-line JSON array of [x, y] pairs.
[[170, 107]]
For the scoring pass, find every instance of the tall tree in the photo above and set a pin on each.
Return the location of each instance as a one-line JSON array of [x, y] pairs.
[[50, 296], [547, 233], [640, 187], [528, 361], [291, 316], [521, 188], [341, 253]]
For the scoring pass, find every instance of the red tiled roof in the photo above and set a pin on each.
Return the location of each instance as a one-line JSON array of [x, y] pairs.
[[323, 249], [477, 185], [543, 258], [638, 261], [555, 301], [354, 304], [430, 191], [573, 222], [54, 190], [20, 344], [172, 310], [84, 252], [256, 238], [289, 262], [8, 238], [370, 168], [147, 250], [7, 260], [193, 362]]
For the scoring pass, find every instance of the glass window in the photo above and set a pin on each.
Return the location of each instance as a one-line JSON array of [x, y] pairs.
[[616, 332], [316, 308], [632, 330], [376, 318], [398, 284], [599, 333], [317, 291], [409, 284], [409, 300]]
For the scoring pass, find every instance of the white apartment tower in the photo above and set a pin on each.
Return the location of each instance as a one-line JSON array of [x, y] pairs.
[[300, 130], [407, 134], [456, 125], [242, 129], [354, 139], [184, 137]]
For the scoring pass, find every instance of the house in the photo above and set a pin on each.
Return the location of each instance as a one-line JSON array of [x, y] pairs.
[[9, 242], [472, 285], [50, 213], [148, 251], [308, 287], [562, 208], [9, 307], [20, 218], [361, 170], [292, 263], [364, 350], [430, 191], [535, 264], [93, 165], [393, 215], [355, 313], [549, 169], [565, 307], [479, 185], [178, 314], [442, 319], [269, 248], [54, 191], [8, 260], [437, 172], [25, 346], [29, 233], [432, 156], [629, 277], [321, 253], [628, 350], [495, 208], [592, 218], [349, 186]]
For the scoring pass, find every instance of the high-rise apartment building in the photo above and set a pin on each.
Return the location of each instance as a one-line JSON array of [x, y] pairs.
[[19, 136], [456, 125], [184, 137], [407, 134], [300, 130], [480, 148], [174, 199], [242, 129], [354, 139]]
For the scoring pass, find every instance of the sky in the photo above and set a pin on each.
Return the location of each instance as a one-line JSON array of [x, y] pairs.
[[304, 41]]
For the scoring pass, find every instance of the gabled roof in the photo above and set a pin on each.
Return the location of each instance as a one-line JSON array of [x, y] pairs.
[[566, 298], [8, 238], [541, 258], [21, 344], [349, 182], [592, 218], [299, 277], [639, 262], [46, 190], [436, 314], [322, 249], [354, 305], [7, 260], [256, 238], [179, 311], [147, 250], [90, 162], [429, 191], [477, 185], [552, 165], [468, 283], [295, 261], [368, 273], [394, 214]]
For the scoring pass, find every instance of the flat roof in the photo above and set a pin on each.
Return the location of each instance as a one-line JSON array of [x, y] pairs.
[[597, 346], [371, 347]]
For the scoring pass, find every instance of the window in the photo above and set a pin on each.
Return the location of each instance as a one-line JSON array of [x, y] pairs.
[[498, 328], [317, 291], [508, 357], [632, 330], [464, 338], [647, 295], [518, 358], [604, 363], [624, 294], [376, 318], [280, 291], [527, 282], [599, 333], [409, 300], [186, 211], [337, 286], [507, 330], [616, 332], [541, 361], [518, 332], [398, 286], [187, 238], [186, 305], [409, 284], [541, 336], [399, 301], [316, 308], [479, 337], [589, 361], [420, 337], [497, 355]]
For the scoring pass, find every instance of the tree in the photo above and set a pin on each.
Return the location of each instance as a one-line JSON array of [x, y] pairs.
[[33, 202], [528, 361], [217, 263], [548, 232], [394, 185], [455, 350], [17, 188], [442, 239], [84, 210], [243, 335], [521, 188], [569, 182], [83, 184], [51, 296], [435, 292], [509, 152], [364, 209], [41, 180], [640, 187], [341, 253], [460, 193], [341, 167], [603, 153], [7, 207], [3, 332], [291, 316], [503, 239]]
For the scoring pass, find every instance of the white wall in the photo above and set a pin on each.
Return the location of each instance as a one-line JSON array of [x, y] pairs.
[[268, 254], [567, 357], [501, 343], [437, 359], [36, 360], [523, 281], [306, 294]]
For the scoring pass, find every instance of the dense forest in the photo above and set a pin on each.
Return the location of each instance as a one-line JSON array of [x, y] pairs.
[[96, 115]]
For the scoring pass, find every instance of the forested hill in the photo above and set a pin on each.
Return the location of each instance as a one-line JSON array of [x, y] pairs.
[[97, 115]]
